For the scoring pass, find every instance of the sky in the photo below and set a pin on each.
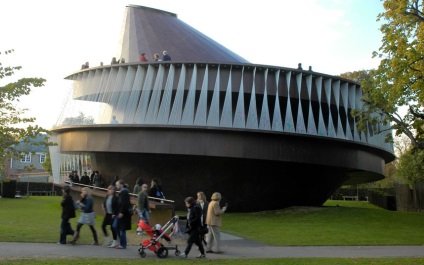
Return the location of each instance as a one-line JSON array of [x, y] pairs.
[[52, 39]]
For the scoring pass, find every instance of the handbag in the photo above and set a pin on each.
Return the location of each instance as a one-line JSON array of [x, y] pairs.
[[204, 230]]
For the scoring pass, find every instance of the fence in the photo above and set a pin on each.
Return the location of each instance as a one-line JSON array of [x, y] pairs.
[[410, 200], [35, 188]]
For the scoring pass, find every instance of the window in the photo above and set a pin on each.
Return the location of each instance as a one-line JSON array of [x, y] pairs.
[[42, 158], [26, 158]]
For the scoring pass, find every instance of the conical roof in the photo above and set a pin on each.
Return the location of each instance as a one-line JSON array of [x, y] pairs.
[[150, 31]]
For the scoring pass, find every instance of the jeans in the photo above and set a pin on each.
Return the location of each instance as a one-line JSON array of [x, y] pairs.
[[144, 214], [65, 229], [108, 220], [121, 232]]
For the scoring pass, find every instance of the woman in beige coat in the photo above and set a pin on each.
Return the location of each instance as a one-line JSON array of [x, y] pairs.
[[214, 221]]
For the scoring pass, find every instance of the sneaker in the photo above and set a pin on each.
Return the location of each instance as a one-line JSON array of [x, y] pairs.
[[114, 244], [120, 247], [183, 255], [200, 256]]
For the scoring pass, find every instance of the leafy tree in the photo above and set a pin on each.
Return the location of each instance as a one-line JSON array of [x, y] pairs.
[[411, 166], [47, 165], [398, 83], [81, 119], [13, 125]]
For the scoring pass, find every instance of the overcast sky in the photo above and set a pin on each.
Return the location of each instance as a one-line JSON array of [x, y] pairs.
[[52, 39]]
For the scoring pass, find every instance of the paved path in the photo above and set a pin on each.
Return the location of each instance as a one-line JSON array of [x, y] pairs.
[[234, 247]]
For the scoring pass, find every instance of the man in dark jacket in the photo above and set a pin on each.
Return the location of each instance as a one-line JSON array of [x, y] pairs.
[[68, 212], [193, 226], [124, 214]]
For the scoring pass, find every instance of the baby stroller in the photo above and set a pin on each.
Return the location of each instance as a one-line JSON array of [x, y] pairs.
[[155, 234]]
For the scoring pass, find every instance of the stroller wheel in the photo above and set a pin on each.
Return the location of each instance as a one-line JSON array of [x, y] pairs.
[[177, 252], [162, 252], [142, 254]]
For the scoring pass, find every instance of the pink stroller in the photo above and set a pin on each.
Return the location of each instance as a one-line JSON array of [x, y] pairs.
[[156, 234]]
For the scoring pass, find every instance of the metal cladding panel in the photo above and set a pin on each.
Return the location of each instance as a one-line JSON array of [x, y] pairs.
[[205, 96]]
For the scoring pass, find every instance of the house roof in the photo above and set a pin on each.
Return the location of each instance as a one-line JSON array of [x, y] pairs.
[[32, 146]]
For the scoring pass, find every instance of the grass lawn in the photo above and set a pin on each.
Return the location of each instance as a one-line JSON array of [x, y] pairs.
[[37, 219], [350, 223]]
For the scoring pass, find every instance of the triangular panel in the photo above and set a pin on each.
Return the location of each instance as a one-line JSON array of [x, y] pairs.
[[177, 107], [239, 115], [200, 118], [165, 105], [188, 114], [152, 111], [227, 111], [264, 122], [213, 118]]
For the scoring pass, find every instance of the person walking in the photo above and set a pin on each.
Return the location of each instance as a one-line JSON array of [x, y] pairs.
[[214, 221], [87, 216], [68, 212], [110, 206], [203, 204], [194, 215], [122, 222], [143, 204]]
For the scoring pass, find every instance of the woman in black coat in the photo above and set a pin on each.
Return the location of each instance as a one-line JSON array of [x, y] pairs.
[[194, 224], [68, 212]]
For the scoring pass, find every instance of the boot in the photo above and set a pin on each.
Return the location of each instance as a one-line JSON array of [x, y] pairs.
[[75, 238], [96, 241], [114, 244], [108, 241]]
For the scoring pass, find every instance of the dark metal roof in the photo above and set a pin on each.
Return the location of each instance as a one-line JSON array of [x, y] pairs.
[[150, 31]]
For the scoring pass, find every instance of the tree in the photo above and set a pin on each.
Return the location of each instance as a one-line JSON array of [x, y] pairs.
[[14, 127], [397, 85], [411, 166], [81, 119], [47, 165]]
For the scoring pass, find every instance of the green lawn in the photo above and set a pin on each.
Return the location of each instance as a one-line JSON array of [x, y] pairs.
[[352, 223], [37, 219]]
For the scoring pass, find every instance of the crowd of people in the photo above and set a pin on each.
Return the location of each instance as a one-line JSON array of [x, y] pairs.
[[143, 58], [203, 219], [156, 57], [95, 179]]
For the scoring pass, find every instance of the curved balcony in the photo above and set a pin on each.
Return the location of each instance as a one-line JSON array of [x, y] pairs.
[[221, 96]]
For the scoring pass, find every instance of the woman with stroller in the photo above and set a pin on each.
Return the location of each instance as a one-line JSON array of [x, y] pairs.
[[193, 226], [110, 206], [87, 215]]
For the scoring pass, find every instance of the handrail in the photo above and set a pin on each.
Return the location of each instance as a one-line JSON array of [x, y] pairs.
[[131, 194]]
